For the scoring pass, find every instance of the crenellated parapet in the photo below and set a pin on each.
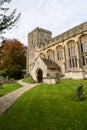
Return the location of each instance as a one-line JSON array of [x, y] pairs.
[[40, 30], [80, 29], [71, 33]]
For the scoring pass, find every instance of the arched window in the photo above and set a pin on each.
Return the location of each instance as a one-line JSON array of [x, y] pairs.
[[72, 54], [83, 49], [59, 53], [50, 55], [42, 55]]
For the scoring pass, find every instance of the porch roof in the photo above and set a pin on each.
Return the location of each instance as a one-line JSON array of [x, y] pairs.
[[50, 64]]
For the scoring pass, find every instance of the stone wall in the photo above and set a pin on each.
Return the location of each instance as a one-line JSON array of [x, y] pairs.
[[65, 36], [43, 42], [50, 80], [35, 39]]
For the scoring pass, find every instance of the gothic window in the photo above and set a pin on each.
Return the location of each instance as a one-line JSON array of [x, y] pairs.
[[32, 41], [72, 54], [42, 55], [50, 55], [59, 53], [42, 37], [83, 49]]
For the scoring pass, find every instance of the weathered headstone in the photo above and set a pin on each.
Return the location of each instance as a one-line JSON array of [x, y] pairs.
[[1, 85], [1, 81], [6, 79], [80, 92], [11, 80]]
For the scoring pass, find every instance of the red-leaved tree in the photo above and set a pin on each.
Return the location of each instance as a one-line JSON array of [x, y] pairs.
[[12, 52]]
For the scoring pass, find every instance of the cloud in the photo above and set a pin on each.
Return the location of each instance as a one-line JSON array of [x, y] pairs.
[[54, 15]]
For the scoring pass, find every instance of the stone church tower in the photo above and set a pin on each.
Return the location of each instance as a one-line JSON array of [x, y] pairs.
[[36, 39]]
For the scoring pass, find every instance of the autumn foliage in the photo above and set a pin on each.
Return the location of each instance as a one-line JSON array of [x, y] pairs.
[[12, 52]]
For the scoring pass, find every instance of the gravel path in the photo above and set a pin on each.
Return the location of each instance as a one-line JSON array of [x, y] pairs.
[[7, 100]]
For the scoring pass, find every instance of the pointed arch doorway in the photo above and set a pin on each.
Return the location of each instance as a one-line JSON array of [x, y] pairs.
[[40, 76]]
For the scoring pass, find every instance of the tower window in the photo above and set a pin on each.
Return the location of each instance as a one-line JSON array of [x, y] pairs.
[[32, 41]]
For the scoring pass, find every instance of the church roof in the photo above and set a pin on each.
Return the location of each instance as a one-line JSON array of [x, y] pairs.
[[50, 64]]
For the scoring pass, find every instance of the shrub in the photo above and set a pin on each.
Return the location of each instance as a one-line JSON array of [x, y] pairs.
[[13, 72], [23, 72], [29, 79]]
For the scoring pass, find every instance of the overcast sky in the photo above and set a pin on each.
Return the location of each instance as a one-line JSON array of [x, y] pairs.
[[54, 15]]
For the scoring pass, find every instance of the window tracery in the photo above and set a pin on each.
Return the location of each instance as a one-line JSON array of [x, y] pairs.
[[83, 49], [59, 53], [50, 55], [72, 54]]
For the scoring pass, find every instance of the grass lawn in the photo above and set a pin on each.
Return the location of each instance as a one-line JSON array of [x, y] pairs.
[[8, 88], [48, 107], [28, 80]]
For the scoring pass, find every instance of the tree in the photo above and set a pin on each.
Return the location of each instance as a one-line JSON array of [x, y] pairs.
[[12, 52], [7, 21], [13, 72]]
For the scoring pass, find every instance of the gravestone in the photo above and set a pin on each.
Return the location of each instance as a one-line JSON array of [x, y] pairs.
[[1, 81], [11, 80], [80, 92], [1, 85], [6, 79]]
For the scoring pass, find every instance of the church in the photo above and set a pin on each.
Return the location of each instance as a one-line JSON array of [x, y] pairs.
[[64, 56]]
